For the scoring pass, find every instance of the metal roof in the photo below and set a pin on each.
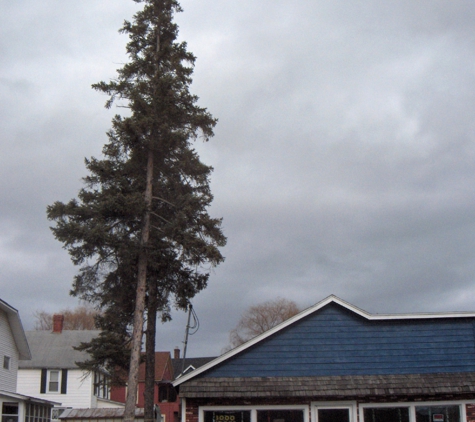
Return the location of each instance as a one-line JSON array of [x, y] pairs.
[[98, 413], [55, 350]]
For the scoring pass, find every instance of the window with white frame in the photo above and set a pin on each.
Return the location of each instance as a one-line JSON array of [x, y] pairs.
[[53, 381], [412, 412], [227, 416], [386, 414], [56, 412], [334, 412], [283, 415], [254, 414], [6, 362], [436, 413], [9, 412], [36, 412], [333, 415]]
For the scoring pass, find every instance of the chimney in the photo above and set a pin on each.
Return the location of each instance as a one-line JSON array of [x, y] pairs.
[[58, 324], [176, 353]]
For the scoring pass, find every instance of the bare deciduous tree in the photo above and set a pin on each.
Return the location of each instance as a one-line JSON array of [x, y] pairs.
[[260, 318], [80, 318]]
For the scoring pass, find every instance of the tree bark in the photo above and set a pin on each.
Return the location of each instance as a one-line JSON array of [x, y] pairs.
[[149, 393], [137, 334]]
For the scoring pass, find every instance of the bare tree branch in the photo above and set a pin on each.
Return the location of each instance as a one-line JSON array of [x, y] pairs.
[[260, 318], [79, 318]]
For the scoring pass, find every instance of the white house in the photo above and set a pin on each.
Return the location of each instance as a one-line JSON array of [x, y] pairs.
[[52, 373], [14, 348]]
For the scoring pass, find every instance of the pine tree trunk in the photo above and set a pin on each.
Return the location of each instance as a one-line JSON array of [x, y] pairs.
[[137, 334], [149, 393]]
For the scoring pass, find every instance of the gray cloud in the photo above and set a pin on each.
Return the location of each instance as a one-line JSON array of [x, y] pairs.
[[343, 154]]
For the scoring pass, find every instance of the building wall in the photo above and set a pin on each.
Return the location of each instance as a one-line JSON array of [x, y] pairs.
[[191, 409], [79, 388], [169, 409], [336, 341], [470, 410], [108, 404], [8, 377], [118, 393]]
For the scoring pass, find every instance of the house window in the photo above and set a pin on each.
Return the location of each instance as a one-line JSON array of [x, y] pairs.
[[413, 412], [280, 415], [37, 413], [9, 412], [6, 362], [227, 416], [334, 412], [54, 380], [386, 414], [333, 415], [56, 412], [166, 393], [101, 385], [449, 413], [265, 413]]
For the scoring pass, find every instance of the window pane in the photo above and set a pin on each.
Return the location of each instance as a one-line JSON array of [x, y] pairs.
[[10, 408], [228, 416], [333, 415], [53, 385], [279, 416], [438, 413], [386, 414], [10, 412]]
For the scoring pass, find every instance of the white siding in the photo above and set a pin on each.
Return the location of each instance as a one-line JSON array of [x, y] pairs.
[[79, 388], [107, 404], [8, 377]]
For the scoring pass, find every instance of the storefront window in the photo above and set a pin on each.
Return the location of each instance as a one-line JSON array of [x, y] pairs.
[[438, 413], [279, 416], [227, 416], [386, 414], [333, 415]]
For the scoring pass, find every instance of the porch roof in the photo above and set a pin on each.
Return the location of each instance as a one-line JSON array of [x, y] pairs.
[[23, 398]]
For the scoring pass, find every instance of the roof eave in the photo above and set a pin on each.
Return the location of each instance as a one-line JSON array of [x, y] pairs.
[[17, 330]]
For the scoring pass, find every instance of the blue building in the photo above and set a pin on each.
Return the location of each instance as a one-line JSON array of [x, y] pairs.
[[337, 363]]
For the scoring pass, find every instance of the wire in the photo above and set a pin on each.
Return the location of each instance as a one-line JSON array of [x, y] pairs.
[[196, 322]]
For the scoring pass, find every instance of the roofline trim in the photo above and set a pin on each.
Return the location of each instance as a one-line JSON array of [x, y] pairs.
[[18, 332], [308, 311], [19, 396]]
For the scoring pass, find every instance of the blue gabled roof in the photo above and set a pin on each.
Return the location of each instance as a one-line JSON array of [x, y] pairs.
[[336, 338]]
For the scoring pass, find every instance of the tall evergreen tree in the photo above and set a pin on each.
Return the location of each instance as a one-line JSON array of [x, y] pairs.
[[141, 223]]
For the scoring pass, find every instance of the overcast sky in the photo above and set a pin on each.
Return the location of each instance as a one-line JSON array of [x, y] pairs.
[[344, 153]]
